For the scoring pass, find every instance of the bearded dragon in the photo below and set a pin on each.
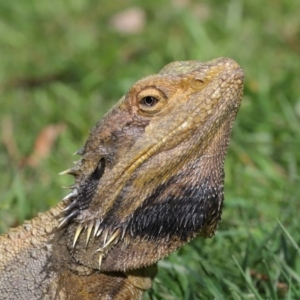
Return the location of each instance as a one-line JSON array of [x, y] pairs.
[[150, 179]]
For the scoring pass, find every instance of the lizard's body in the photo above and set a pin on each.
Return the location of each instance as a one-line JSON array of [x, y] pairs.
[[150, 179], [30, 268]]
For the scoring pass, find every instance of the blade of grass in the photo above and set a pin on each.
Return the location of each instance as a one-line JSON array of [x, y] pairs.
[[249, 283], [294, 244]]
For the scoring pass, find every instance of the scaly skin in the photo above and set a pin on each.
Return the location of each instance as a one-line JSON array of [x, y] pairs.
[[31, 269], [150, 179]]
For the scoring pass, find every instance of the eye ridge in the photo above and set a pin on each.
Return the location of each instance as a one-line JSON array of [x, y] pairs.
[[149, 101]]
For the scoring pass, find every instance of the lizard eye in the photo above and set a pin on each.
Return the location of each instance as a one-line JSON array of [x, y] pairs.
[[149, 101], [97, 174]]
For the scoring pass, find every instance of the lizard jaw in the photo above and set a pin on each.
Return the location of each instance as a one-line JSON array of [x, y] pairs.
[[108, 239]]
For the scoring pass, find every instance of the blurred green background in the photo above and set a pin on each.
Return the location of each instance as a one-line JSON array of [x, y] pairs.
[[63, 64]]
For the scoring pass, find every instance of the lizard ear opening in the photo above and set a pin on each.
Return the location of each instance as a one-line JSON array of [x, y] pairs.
[[198, 83], [98, 172]]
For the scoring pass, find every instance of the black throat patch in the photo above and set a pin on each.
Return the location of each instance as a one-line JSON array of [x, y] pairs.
[[185, 211]]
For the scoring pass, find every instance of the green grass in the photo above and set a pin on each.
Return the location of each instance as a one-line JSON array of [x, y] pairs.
[[82, 67]]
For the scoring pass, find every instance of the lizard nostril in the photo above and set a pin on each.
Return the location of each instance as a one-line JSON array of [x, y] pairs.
[[97, 174]]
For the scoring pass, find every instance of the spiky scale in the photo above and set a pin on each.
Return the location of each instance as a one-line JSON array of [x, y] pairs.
[[89, 231], [77, 233], [99, 232], [79, 152], [100, 260], [74, 193], [69, 187], [71, 171], [112, 238], [97, 225], [65, 219], [65, 172], [71, 206], [105, 237]]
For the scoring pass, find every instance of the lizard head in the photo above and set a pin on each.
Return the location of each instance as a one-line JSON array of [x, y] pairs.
[[151, 173]]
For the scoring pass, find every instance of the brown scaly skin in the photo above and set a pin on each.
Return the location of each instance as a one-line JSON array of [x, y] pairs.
[[149, 180], [30, 267]]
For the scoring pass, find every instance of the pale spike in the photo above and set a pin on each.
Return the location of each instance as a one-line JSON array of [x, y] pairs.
[[77, 233], [126, 241], [99, 231], [71, 206], [123, 233], [89, 231], [112, 238], [65, 172], [97, 225], [100, 260], [72, 171], [105, 237], [79, 152], [74, 193], [69, 187], [65, 219]]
